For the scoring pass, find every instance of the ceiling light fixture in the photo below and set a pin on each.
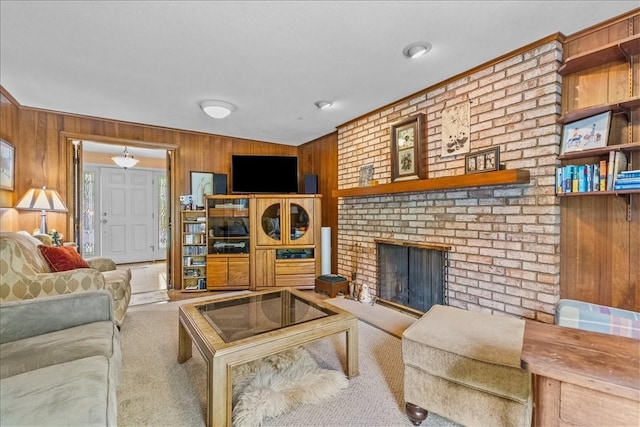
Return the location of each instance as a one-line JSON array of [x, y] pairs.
[[217, 109], [323, 105], [416, 50], [126, 160]]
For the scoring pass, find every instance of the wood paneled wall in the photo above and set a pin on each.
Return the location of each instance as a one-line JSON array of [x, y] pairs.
[[320, 157], [43, 153]]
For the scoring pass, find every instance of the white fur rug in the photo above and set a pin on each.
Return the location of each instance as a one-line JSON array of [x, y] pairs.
[[274, 385]]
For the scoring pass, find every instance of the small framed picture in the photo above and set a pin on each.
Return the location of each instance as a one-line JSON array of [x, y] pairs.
[[587, 133], [201, 185], [7, 165], [406, 149], [482, 161]]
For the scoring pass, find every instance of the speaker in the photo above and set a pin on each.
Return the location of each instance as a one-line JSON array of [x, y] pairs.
[[311, 184], [219, 183]]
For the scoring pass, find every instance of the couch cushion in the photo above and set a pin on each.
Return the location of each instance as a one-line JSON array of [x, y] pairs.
[[78, 393], [19, 253], [92, 339], [62, 258]]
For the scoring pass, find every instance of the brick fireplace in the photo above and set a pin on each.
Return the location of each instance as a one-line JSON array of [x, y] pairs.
[[504, 239]]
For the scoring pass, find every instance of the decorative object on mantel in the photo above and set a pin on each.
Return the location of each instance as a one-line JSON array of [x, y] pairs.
[[590, 132], [366, 175], [7, 165], [456, 129], [407, 148], [482, 161]]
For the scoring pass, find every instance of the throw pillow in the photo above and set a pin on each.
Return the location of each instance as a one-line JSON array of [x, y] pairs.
[[62, 258]]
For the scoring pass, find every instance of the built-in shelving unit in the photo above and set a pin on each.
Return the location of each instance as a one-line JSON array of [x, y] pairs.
[[578, 154], [621, 49], [617, 107], [502, 177], [595, 79]]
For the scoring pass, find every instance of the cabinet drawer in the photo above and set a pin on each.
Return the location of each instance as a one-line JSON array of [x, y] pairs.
[[585, 407], [295, 280], [295, 267]]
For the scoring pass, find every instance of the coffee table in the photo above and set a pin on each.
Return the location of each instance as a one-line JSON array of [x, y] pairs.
[[231, 331]]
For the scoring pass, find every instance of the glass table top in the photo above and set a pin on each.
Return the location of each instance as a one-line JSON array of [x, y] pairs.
[[248, 316]]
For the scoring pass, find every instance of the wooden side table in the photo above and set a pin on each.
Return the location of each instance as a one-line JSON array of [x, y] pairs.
[[332, 284]]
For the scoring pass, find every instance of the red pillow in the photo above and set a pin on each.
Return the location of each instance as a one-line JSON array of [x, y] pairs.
[[62, 258]]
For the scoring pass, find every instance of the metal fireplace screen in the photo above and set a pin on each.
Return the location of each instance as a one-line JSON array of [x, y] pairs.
[[411, 279]]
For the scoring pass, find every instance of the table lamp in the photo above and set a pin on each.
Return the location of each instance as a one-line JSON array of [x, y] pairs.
[[43, 200]]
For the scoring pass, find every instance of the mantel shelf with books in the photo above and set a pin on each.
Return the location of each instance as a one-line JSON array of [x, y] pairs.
[[501, 177], [615, 107], [631, 147], [616, 51]]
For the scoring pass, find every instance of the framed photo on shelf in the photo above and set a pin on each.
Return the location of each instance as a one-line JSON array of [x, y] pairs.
[[587, 133], [482, 161], [201, 185], [406, 149], [8, 164]]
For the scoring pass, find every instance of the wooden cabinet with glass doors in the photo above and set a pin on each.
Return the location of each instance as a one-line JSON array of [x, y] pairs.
[[287, 241], [229, 242]]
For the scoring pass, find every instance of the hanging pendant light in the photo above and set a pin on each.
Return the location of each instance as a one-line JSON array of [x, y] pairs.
[[126, 160]]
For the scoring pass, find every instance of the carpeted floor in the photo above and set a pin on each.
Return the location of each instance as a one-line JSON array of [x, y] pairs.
[[156, 390]]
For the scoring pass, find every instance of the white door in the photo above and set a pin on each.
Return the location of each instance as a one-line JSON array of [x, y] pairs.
[[126, 219]]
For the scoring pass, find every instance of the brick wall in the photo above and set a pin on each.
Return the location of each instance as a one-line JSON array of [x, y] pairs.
[[504, 239]]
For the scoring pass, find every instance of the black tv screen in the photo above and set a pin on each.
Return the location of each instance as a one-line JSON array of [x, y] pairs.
[[264, 174]]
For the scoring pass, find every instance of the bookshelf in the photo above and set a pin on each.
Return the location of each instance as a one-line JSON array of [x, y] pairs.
[[193, 225], [599, 247]]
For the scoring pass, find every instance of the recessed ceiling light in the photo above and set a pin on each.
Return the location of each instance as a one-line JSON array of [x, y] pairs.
[[416, 50], [217, 109], [323, 105]]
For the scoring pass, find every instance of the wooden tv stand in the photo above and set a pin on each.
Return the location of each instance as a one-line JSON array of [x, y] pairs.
[[582, 378]]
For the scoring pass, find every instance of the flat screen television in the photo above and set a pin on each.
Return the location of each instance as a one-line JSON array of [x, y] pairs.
[[264, 174]]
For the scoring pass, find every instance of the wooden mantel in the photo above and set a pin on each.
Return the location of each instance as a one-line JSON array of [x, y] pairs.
[[502, 177]]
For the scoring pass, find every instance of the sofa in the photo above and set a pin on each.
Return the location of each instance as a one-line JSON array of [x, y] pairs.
[[60, 361], [27, 274]]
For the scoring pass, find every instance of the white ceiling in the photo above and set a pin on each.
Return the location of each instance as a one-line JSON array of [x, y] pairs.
[[152, 62]]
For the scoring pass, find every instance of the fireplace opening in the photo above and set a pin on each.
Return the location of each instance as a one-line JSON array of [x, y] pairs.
[[412, 278]]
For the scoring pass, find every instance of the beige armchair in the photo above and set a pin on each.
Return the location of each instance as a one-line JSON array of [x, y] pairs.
[[26, 275]]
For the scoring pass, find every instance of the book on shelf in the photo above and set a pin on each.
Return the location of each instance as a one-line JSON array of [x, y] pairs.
[[619, 165], [627, 180], [578, 178], [603, 175], [612, 155]]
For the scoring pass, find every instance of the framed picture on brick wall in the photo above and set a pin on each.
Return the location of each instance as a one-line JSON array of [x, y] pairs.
[[406, 149]]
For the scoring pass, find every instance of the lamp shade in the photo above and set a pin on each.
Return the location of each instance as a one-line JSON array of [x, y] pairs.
[[42, 199]]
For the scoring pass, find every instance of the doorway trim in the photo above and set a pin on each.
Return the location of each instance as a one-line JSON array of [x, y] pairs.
[[74, 166]]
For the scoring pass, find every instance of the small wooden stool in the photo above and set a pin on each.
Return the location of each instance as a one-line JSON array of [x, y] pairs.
[[332, 284]]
